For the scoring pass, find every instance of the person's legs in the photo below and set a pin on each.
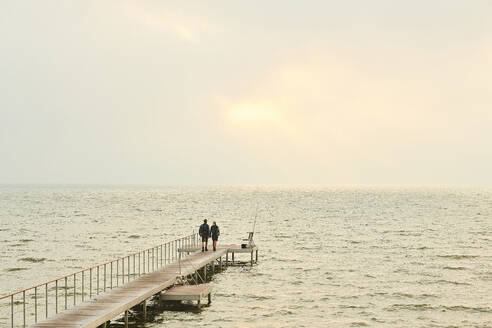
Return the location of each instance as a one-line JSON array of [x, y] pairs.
[[215, 245], [206, 243]]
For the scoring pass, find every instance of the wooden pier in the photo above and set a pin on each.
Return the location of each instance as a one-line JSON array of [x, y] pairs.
[[190, 264]]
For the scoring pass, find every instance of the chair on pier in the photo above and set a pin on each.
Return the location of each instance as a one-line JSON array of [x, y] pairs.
[[250, 240]]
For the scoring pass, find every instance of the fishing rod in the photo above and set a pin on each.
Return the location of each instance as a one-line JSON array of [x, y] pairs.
[[256, 215]]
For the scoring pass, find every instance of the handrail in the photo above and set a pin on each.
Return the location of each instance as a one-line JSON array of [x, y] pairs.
[[92, 267], [153, 256]]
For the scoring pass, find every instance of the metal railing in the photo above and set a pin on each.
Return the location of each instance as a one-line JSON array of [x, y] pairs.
[[41, 301]]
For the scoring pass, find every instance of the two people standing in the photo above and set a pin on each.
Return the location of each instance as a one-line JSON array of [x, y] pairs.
[[205, 232]]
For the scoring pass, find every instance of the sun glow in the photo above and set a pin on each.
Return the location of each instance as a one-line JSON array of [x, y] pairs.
[[252, 114], [257, 117]]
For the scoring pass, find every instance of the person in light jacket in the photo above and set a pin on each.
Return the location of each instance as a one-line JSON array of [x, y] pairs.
[[214, 230]]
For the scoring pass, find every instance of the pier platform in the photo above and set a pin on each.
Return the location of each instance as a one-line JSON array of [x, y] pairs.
[[233, 250], [188, 293]]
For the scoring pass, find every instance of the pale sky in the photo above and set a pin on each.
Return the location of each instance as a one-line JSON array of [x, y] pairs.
[[232, 92]]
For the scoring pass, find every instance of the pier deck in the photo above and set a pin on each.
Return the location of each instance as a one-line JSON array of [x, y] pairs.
[[114, 302]]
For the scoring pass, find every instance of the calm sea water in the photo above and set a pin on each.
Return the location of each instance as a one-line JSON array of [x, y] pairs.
[[329, 257]]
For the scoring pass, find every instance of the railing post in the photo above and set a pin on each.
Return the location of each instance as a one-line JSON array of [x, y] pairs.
[[90, 283], [134, 275], [12, 311], [128, 280], [123, 270], [35, 304], [46, 298], [74, 290], [83, 286], [97, 281], [66, 289], [24, 308], [56, 296], [117, 272], [105, 276], [111, 274]]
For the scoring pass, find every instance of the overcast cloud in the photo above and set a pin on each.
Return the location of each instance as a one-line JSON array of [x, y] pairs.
[[205, 92]]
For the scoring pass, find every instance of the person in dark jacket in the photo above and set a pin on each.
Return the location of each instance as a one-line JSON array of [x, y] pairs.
[[204, 232], [214, 230]]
